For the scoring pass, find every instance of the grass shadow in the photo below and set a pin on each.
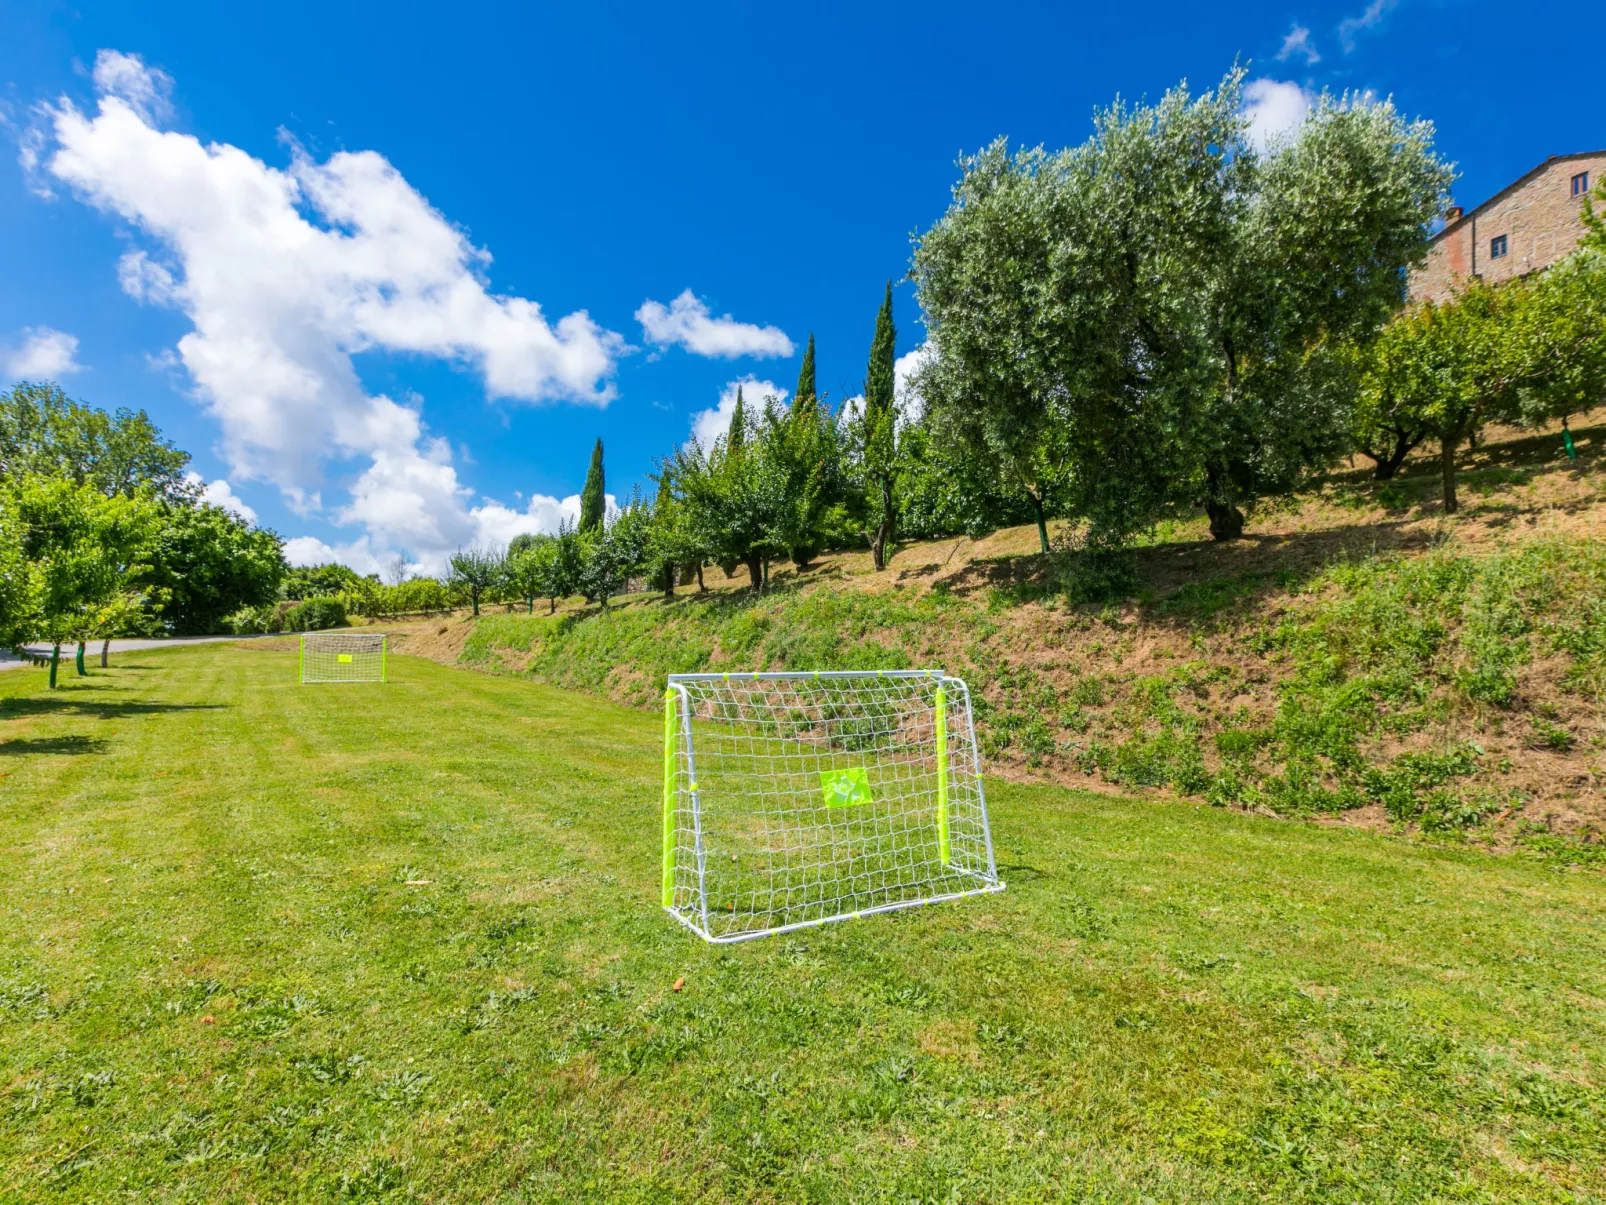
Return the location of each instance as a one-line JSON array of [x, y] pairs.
[[52, 744], [45, 705]]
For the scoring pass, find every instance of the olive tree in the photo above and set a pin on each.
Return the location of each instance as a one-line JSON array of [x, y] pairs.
[[1159, 317]]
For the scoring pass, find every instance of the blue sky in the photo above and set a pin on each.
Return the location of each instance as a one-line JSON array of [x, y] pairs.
[[388, 271]]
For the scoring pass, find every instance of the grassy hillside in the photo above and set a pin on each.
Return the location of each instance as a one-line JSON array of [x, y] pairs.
[[1359, 657], [265, 942]]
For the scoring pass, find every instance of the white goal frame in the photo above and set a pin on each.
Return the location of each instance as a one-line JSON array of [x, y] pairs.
[[343, 657], [798, 799]]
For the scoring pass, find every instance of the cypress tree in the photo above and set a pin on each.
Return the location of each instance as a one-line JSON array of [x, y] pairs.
[[880, 432], [738, 431], [594, 498], [806, 399]]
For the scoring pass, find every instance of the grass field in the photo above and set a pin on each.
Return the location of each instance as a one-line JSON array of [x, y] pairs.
[[268, 942]]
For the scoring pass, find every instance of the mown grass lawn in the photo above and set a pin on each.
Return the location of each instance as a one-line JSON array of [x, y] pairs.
[[268, 942]]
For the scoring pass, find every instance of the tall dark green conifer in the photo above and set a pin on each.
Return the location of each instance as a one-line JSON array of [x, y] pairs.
[[880, 426], [594, 498], [806, 399], [738, 431]]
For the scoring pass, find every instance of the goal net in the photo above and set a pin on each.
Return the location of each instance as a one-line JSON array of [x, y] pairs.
[[342, 657], [796, 799]]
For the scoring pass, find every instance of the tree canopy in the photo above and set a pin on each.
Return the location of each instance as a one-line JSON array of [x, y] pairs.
[[1148, 320]]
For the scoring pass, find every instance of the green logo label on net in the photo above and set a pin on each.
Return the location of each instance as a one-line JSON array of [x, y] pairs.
[[845, 788]]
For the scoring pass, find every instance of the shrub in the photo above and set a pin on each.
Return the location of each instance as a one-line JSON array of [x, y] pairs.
[[251, 620], [315, 614]]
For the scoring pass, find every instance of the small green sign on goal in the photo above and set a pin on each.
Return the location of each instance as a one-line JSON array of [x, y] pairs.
[[343, 658], [845, 788]]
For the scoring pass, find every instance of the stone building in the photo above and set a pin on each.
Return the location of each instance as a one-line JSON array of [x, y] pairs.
[[1529, 224]]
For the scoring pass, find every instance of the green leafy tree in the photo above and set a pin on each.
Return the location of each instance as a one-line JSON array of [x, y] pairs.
[[43, 431], [802, 451], [82, 548], [942, 490], [672, 542], [1443, 370], [594, 497], [476, 572], [618, 552], [1528, 350], [730, 496], [19, 607], [566, 574], [878, 431], [319, 581], [528, 564], [204, 564]]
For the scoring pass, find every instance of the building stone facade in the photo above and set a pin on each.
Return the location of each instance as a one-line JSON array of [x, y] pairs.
[[1528, 225]]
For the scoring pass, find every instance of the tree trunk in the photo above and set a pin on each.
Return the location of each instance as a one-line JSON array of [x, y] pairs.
[[755, 571], [883, 530], [474, 600], [529, 605], [1384, 467], [1226, 520], [766, 573], [553, 608], [82, 672], [1447, 471], [700, 587], [105, 648], [669, 581], [55, 660], [1042, 523]]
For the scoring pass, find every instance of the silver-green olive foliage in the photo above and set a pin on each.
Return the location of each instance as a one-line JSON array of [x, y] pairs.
[[1164, 315]]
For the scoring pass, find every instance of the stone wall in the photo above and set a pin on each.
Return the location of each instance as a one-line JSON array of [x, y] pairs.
[[1538, 217]]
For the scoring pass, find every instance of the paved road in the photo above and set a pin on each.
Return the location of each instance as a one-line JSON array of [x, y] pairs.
[[68, 651]]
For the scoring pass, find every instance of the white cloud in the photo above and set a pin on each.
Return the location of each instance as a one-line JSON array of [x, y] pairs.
[[146, 90], [221, 493], [1298, 43], [306, 551], [1370, 18], [284, 275], [911, 406], [1273, 109], [709, 425], [491, 525], [686, 322], [44, 354]]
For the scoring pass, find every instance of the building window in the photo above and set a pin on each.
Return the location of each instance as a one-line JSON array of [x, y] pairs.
[[1497, 246], [1580, 184]]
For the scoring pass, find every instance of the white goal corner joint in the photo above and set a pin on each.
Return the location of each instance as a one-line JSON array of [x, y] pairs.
[[343, 657], [795, 799]]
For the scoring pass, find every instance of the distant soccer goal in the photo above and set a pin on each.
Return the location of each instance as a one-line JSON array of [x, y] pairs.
[[794, 799], [342, 657]]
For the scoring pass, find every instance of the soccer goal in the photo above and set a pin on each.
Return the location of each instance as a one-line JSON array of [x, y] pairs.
[[794, 799], [342, 657]]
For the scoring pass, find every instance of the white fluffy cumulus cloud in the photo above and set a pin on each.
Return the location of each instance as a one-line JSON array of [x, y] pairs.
[[687, 322], [1274, 108], [285, 274], [708, 425], [220, 493], [43, 354], [490, 524]]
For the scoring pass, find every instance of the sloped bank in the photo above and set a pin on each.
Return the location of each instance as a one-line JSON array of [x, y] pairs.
[[1454, 693]]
